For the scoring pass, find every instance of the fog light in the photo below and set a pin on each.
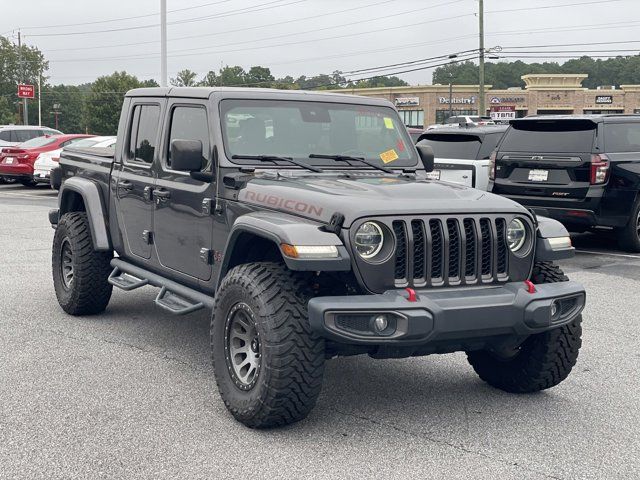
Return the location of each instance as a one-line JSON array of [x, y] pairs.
[[380, 323], [555, 310]]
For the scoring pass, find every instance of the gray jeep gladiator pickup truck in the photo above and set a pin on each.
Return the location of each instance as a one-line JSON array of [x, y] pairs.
[[305, 221]]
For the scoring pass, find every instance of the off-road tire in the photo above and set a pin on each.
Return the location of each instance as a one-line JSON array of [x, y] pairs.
[[89, 291], [289, 378], [543, 360], [629, 235]]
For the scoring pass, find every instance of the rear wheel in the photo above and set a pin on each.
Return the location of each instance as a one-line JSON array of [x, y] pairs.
[[268, 363], [79, 272], [29, 183], [629, 236], [543, 360]]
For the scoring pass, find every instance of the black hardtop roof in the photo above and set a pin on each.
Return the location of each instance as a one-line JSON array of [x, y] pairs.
[[479, 130], [255, 93], [595, 118]]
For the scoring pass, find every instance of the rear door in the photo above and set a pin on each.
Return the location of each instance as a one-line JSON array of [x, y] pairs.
[[134, 177], [183, 221], [455, 156], [546, 158]]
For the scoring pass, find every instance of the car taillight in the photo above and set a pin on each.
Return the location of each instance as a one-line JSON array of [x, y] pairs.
[[599, 169], [492, 166], [55, 159]]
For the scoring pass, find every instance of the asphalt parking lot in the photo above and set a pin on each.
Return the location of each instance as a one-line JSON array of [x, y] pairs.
[[131, 394]]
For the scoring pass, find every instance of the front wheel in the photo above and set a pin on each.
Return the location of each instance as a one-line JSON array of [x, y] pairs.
[[268, 363], [80, 274], [543, 360]]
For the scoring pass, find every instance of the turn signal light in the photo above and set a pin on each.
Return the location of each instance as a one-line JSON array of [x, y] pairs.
[[309, 251], [599, 169]]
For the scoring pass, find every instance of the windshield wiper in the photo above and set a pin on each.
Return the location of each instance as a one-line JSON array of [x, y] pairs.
[[274, 158], [347, 159]]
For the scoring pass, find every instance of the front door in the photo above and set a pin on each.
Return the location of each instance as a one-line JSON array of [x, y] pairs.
[[134, 178], [183, 221]]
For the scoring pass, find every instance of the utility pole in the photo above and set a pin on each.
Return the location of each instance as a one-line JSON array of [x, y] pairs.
[[40, 98], [25, 108], [481, 108], [163, 43]]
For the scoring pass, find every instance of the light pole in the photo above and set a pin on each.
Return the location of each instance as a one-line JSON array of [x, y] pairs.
[[163, 43]]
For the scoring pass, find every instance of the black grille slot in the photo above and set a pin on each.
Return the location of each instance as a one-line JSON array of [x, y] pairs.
[[501, 244], [437, 246], [419, 250], [454, 248], [449, 251], [485, 230], [401, 250], [470, 254]]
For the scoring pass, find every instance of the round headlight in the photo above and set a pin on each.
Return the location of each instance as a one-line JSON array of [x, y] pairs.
[[516, 234], [369, 240]]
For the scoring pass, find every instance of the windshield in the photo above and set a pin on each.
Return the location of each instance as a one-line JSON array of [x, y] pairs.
[[463, 147], [83, 142], [298, 129], [550, 136], [37, 142]]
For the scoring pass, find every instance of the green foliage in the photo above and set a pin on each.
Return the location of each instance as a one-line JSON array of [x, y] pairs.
[[380, 82], [104, 101], [611, 71], [185, 78], [69, 102]]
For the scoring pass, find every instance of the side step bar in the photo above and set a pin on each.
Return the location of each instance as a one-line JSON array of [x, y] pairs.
[[173, 297]]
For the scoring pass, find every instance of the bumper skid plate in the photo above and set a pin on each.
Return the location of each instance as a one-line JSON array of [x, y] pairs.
[[447, 314]]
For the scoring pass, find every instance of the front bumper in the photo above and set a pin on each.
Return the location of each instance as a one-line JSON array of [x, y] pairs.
[[454, 314]]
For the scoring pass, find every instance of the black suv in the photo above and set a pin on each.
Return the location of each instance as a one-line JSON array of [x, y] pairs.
[[581, 170]]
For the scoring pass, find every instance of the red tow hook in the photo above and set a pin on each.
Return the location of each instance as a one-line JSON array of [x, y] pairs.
[[412, 295], [531, 288]]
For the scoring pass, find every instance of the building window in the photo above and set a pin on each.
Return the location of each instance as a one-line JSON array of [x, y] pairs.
[[412, 118], [602, 112], [442, 115]]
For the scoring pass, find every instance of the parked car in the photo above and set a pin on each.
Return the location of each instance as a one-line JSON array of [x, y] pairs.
[[48, 160], [462, 154], [310, 233], [414, 133], [12, 135], [463, 121], [581, 170], [17, 162]]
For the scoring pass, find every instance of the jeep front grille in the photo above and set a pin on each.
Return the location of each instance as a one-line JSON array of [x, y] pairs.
[[432, 252]]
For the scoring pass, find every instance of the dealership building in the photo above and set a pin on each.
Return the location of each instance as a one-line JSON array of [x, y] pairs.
[[561, 94]]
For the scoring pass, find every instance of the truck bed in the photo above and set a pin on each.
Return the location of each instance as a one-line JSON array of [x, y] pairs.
[[91, 163]]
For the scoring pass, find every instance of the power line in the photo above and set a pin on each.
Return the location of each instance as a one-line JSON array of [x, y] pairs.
[[252, 9], [244, 29], [38, 27], [544, 7]]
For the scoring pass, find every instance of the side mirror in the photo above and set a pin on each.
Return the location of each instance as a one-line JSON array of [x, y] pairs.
[[426, 155], [186, 155]]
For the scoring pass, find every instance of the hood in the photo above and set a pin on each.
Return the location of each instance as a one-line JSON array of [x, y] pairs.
[[320, 196]]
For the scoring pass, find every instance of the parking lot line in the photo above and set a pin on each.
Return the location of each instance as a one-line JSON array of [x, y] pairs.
[[609, 254], [27, 195]]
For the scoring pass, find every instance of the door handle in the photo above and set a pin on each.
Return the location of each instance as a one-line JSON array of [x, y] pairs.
[[125, 185], [161, 194]]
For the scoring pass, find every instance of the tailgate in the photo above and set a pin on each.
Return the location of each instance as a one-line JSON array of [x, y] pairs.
[[546, 158]]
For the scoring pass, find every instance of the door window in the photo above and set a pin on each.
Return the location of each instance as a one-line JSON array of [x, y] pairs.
[[622, 137], [5, 135], [190, 123], [144, 133]]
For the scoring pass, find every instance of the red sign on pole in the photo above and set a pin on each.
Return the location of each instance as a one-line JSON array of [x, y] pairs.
[[26, 91]]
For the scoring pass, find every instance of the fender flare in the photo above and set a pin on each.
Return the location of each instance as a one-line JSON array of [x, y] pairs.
[[94, 206], [549, 228], [283, 228]]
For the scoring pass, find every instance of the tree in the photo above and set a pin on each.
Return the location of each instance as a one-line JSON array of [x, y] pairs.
[[69, 102], [185, 78], [18, 66], [211, 79], [380, 82], [230, 76], [259, 77], [104, 101]]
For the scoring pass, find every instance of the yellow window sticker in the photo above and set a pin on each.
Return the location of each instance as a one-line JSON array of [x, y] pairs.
[[389, 156], [388, 123]]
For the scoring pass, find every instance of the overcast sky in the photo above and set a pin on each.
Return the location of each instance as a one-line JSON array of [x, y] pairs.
[[320, 36]]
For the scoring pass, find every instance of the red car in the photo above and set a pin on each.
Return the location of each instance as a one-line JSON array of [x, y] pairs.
[[17, 162]]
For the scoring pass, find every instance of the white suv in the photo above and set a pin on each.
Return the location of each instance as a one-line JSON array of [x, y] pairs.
[[12, 135]]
